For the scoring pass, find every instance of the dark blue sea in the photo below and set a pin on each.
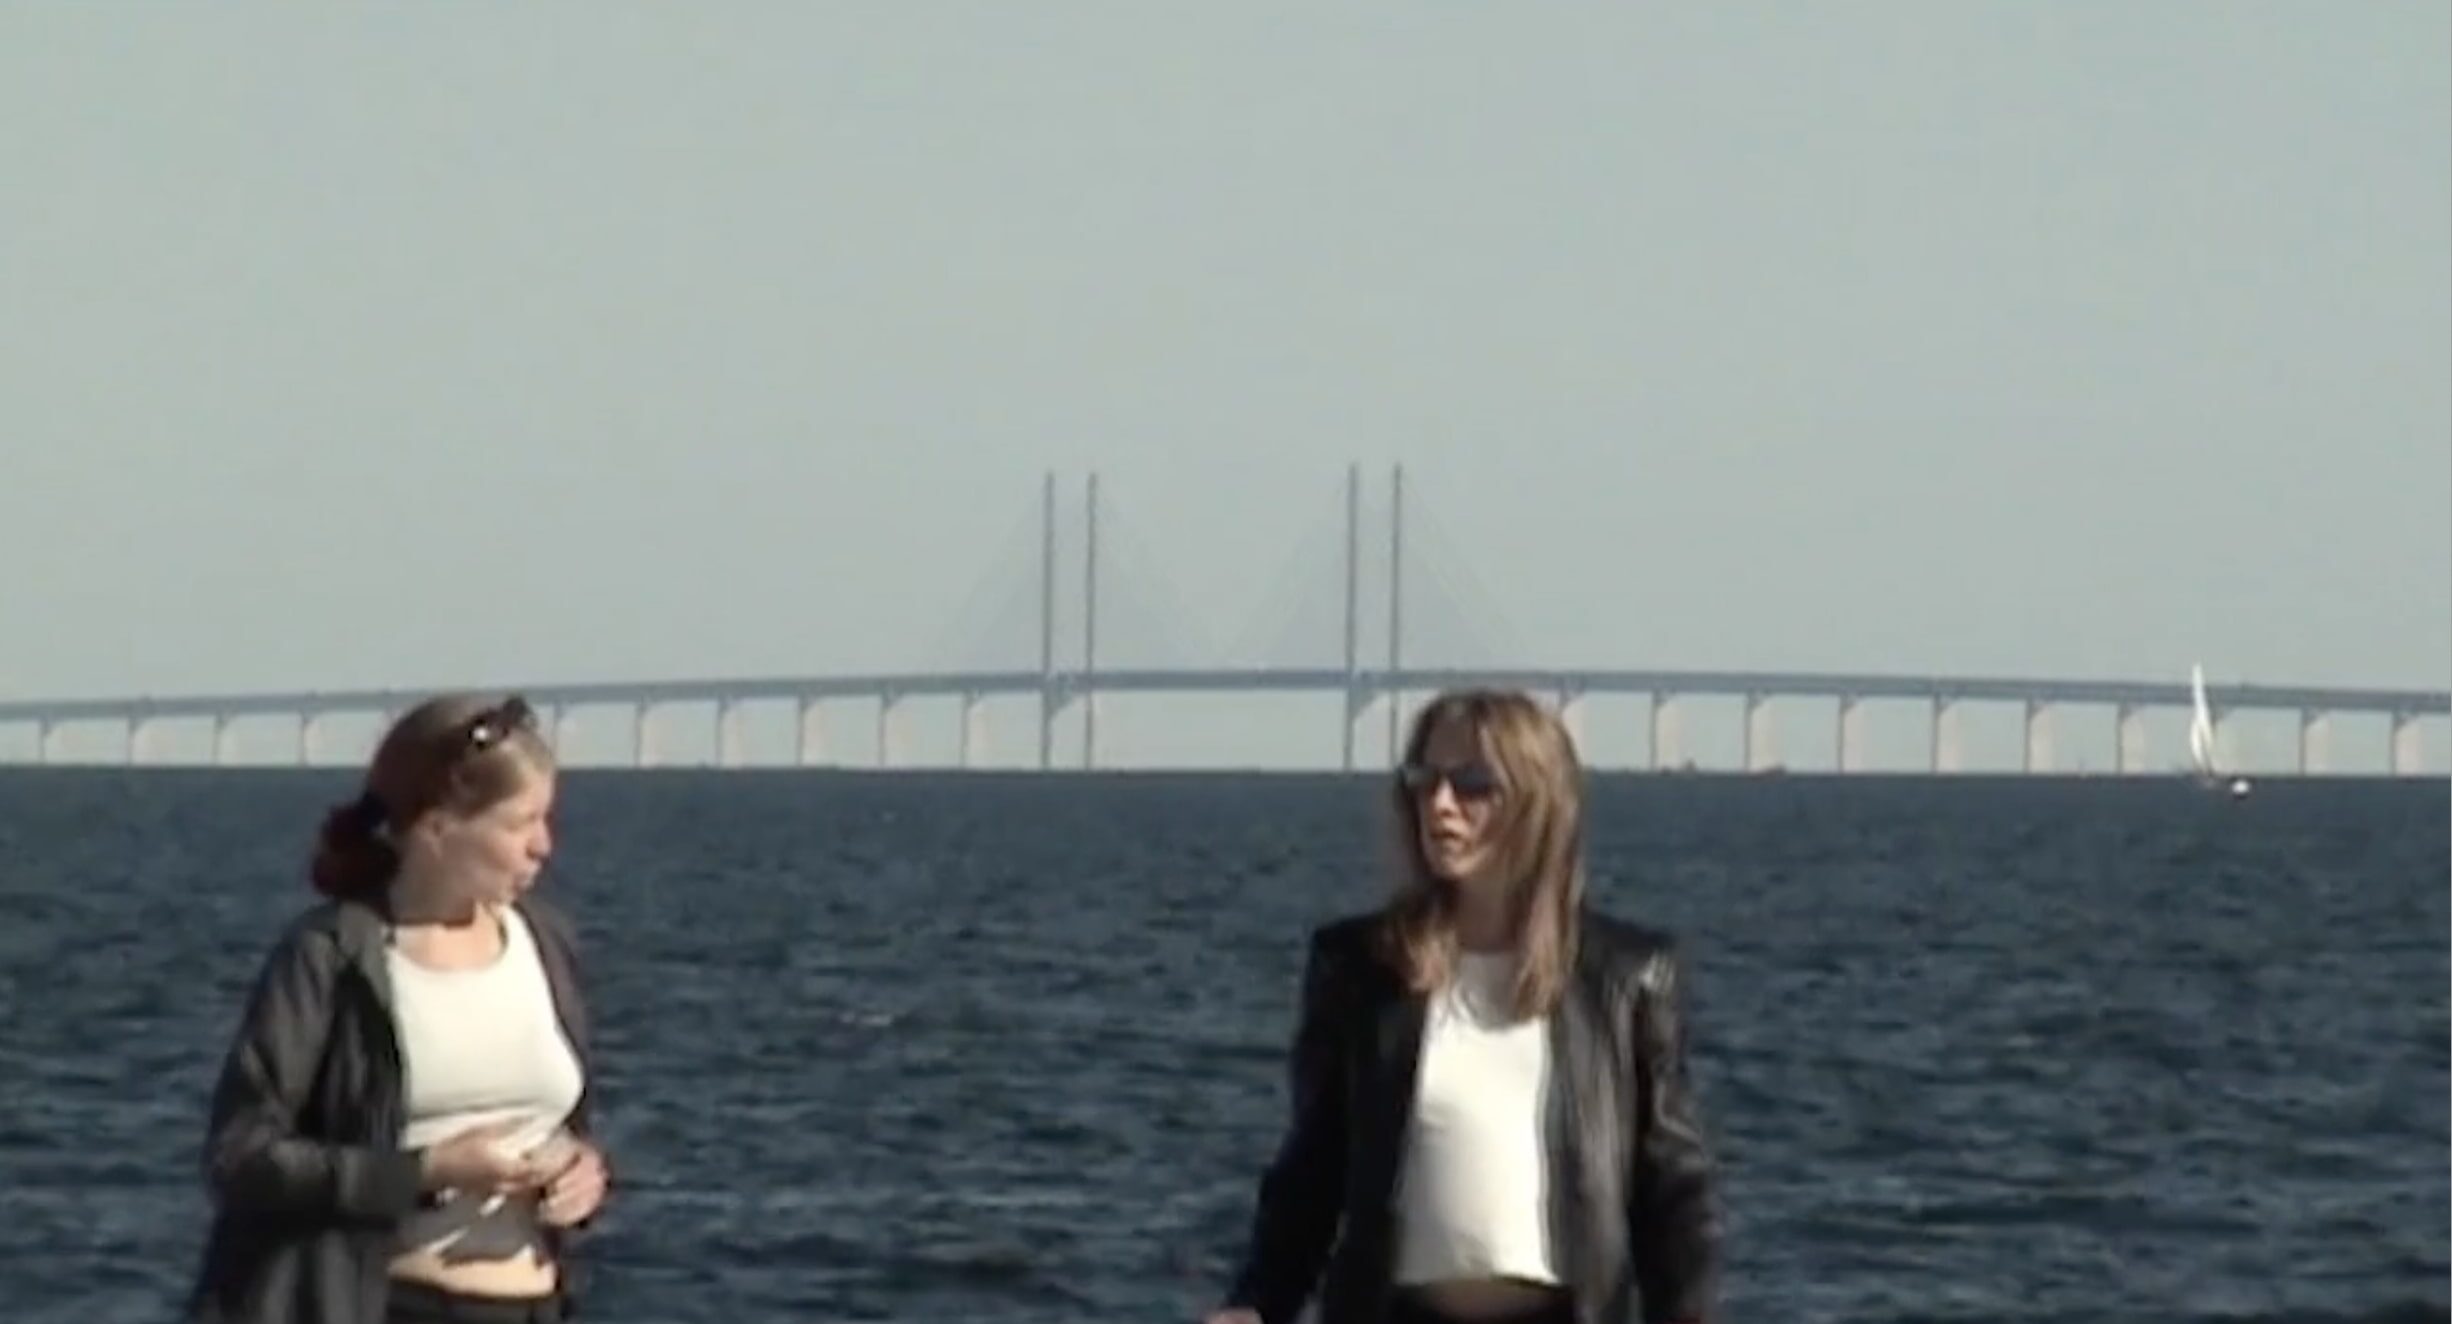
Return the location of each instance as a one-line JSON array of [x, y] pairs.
[[1006, 1049]]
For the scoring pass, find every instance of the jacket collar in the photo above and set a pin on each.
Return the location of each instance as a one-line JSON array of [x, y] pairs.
[[361, 930]]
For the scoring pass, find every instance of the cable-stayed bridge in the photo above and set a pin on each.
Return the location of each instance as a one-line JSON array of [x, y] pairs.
[[1057, 634]]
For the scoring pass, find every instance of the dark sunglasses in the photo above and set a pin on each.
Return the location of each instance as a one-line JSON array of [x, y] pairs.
[[495, 725], [1470, 781]]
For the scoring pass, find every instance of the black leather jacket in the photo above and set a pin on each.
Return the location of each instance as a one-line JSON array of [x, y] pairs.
[[1634, 1213], [303, 1148]]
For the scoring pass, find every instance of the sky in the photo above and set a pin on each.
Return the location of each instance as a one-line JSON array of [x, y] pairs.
[[433, 346]]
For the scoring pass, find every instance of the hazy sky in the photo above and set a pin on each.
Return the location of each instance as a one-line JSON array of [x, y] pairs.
[[441, 345]]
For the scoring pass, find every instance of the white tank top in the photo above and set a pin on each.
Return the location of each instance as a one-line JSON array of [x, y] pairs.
[[477, 1046], [1473, 1196]]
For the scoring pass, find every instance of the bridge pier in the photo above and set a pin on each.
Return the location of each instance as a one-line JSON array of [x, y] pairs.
[[1357, 704], [140, 741], [730, 741], [560, 726], [309, 747], [46, 741], [1761, 738], [2129, 739], [1571, 716], [1851, 757], [1366, 713], [2315, 741], [974, 729], [1051, 702], [2038, 736], [1668, 734], [812, 743], [2407, 758], [889, 729], [643, 744], [1948, 752], [225, 740], [1089, 728]]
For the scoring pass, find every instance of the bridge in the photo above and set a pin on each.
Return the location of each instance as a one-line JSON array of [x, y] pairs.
[[1371, 692]]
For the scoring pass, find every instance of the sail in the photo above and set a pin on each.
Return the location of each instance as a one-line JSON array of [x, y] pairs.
[[2200, 724]]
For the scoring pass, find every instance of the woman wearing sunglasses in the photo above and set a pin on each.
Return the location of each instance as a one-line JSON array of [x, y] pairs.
[[399, 1133], [1491, 1114]]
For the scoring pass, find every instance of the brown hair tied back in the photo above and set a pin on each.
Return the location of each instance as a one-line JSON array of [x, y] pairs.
[[460, 753], [353, 856]]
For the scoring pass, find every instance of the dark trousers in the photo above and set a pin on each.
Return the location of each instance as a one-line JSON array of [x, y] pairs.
[[417, 1303], [1406, 1308]]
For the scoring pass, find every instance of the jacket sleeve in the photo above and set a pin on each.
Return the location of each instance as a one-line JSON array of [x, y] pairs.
[[1675, 1213], [255, 1156], [1302, 1192]]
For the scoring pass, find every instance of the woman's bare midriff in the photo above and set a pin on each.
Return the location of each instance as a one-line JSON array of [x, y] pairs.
[[521, 1275], [1485, 1298]]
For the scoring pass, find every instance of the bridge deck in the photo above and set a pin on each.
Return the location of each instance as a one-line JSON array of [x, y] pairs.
[[1325, 680]]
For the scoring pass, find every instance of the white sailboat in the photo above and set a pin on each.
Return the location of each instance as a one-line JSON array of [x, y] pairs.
[[2201, 749]]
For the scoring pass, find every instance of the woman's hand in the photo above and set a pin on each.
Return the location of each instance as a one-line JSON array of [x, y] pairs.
[[474, 1161], [575, 1192]]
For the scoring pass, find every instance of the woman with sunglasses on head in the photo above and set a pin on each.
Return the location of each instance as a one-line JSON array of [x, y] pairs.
[[400, 1130], [1491, 1113]]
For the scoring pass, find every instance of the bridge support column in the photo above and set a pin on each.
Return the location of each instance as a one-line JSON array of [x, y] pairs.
[[1357, 703], [812, 750], [560, 727], [1396, 726], [1761, 739], [225, 740], [309, 727], [889, 730], [46, 741], [1948, 754], [2315, 741], [1051, 702], [2129, 740], [1089, 728], [2038, 736], [1571, 716], [1851, 734], [730, 742], [974, 730], [643, 744], [1668, 736], [140, 741], [2407, 759], [1371, 712]]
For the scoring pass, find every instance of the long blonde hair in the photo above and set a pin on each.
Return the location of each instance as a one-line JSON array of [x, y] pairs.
[[1536, 831]]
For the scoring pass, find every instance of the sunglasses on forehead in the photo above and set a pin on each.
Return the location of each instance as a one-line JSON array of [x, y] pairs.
[[1469, 781], [491, 727]]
